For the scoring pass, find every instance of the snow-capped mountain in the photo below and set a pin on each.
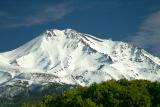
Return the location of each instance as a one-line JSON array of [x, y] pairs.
[[67, 56]]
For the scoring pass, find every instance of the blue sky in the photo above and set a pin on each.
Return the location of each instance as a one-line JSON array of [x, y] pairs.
[[135, 21]]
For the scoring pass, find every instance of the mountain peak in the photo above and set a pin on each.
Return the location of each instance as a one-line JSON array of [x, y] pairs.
[[72, 57], [56, 33]]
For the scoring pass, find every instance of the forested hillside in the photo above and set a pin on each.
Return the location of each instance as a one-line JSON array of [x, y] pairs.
[[122, 93]]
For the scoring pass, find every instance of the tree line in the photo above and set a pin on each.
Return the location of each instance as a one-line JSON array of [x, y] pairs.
[[112, 93]]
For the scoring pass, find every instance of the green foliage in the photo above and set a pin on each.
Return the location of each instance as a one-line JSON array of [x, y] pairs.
[[122, 93]]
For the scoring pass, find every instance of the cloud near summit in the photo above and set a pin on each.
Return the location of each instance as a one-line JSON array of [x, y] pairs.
[[148, 35]]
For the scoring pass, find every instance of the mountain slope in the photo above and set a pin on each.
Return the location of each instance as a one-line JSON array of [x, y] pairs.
[[67, 56]]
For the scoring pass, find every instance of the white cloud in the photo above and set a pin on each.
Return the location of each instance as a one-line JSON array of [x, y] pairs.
[[148, 36], [38, 15]]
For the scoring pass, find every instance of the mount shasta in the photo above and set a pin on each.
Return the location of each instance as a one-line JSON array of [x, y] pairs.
[[67, 56]]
